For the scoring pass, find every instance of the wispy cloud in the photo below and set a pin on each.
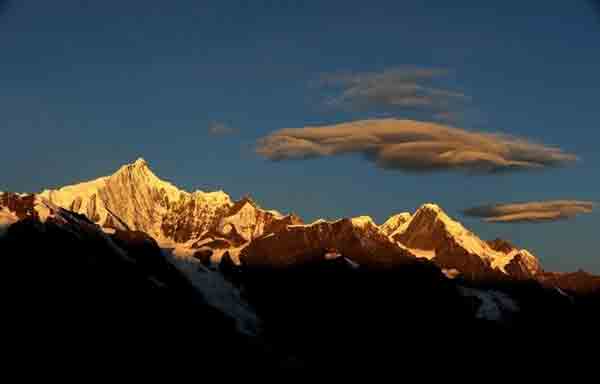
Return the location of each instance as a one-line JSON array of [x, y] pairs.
[[392, 89], [536, 211], [413, 146], [218, 128]]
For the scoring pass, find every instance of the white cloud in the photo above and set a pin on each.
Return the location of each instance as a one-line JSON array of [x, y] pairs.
[[413, 146], [535, 211]]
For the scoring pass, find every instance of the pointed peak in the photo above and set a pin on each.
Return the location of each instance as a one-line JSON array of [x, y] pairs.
[[140, 167], [433, 213], [139, 164], [139, 173]]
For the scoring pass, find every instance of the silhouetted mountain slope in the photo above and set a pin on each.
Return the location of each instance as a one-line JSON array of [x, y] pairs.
[[130, 260], [73, 285]]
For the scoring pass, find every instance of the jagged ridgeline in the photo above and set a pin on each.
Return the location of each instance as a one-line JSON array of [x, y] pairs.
[[211, 224]]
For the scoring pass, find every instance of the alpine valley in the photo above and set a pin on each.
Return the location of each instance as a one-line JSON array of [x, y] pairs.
[[133, 255]]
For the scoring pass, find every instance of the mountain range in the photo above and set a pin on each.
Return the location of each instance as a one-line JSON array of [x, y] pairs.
[[134, 198], [131, 244]]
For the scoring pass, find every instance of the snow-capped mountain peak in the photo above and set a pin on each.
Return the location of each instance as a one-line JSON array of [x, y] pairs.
[[431, 219], [432, 234], [140, 175], [137, 197]]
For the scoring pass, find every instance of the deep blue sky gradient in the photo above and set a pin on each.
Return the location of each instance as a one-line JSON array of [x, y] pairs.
[[88, 86]]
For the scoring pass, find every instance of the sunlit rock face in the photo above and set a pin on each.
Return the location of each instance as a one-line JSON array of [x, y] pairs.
[[357, 239], [431, 233], [579, 282], [394, 222], [247, 220], [136, 198], [193, 214], [240, 225], [518, 263]]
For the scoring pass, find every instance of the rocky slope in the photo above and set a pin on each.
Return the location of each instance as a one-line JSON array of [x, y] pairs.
[[357, 239], [242, 223]]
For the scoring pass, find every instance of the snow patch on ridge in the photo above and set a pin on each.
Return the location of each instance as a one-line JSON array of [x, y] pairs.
[[495, 305], [219, 293]]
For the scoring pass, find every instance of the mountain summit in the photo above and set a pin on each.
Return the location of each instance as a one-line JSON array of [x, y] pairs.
[[135, 198], [432, 234]]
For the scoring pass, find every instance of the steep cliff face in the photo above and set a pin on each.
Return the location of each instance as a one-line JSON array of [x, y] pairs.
[[241, 224], [194, 214], [249, 221]]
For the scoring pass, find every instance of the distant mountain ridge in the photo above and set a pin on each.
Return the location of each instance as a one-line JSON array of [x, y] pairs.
[[212, 223]]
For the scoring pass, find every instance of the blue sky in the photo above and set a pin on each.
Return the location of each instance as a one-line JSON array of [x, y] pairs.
[[88, 86]]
